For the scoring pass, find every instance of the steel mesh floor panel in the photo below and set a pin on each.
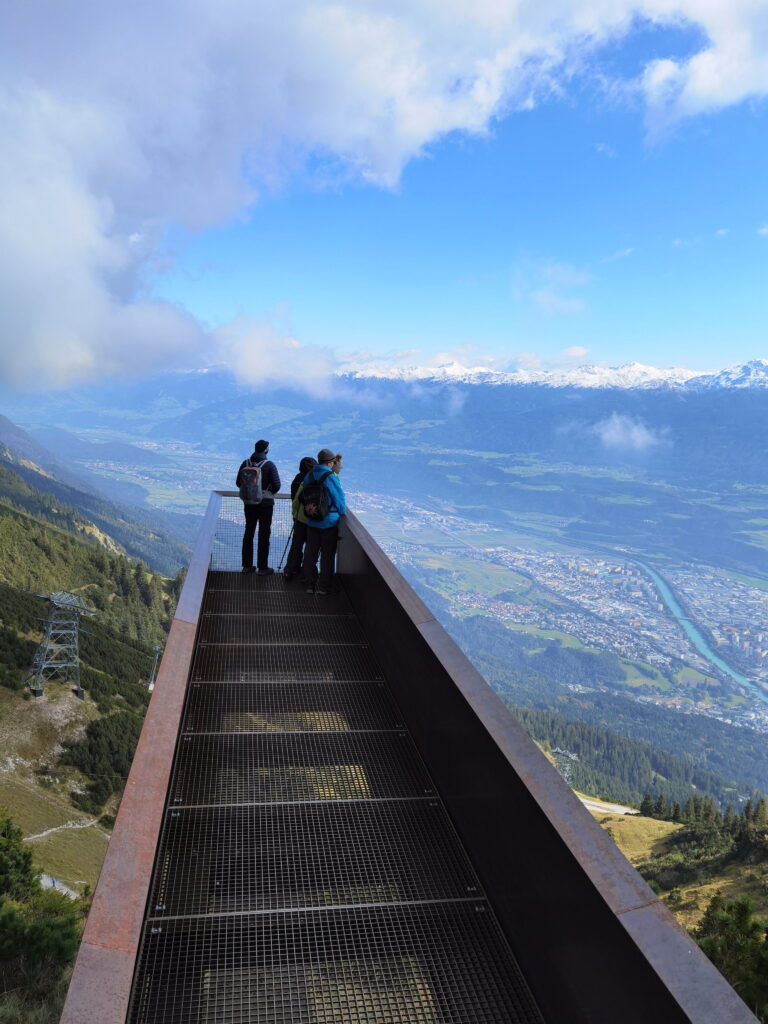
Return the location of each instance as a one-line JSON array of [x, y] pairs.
[[289, 707], [251, 662], [290, 599], [307, 872], [281, 629], [246, 582], [274, 767], [216, 860], [429, 964]]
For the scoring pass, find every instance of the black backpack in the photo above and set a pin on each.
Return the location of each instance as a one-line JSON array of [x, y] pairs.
[[250, 483], [314, 499]]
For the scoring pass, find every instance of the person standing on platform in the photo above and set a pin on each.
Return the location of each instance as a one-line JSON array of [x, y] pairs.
[[258, 482], [321, 497], [293, 563]]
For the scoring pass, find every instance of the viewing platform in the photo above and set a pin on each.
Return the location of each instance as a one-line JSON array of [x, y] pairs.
[[332, 819]]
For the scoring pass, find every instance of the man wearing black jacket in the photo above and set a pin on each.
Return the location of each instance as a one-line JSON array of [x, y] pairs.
[[259, 515]]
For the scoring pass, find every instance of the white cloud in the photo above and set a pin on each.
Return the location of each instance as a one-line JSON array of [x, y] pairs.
[[763, 230], [262, 350], [549, 286], [574, 352], [731, 67], [365, 359], [527, 361], [120, 119], [553, 304], [560, 274], [469, 356], [605, 149], [721, 232], [620, 254], [620, 432]]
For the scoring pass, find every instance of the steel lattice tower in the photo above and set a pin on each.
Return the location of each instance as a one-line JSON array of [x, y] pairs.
[[58, 656]]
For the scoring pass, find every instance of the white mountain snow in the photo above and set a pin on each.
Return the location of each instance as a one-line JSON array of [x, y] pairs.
[[631, 375]]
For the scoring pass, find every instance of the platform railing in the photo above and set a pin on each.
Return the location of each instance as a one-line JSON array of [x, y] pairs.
[[595, 943], [227, 539]]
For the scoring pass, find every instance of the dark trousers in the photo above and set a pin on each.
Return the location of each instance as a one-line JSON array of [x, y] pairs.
[[324, 542], [293, 563], [261, 516]]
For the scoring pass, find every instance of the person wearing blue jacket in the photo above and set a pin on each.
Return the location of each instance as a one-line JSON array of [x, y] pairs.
[[322, 534]]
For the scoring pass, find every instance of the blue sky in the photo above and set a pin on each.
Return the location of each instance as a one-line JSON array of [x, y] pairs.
[[502, 184], [565, 227]]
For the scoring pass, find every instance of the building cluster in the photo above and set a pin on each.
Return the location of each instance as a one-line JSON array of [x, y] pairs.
[[733, 614], [608, 604]]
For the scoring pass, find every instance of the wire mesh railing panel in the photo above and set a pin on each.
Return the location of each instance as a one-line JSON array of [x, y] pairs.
[[226, 860], [275, 767], [281, 629], [227, 543], [426, 964], [252, 662], [289, 707]]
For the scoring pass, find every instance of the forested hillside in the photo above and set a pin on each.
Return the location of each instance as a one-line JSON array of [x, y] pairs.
[[38, 557], [111, 664], [39, 935], [711, 870], [613, 767], [134, 608], [138, 533], [66, 761]]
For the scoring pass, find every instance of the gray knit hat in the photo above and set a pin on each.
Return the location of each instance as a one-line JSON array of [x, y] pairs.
[[325, 455]]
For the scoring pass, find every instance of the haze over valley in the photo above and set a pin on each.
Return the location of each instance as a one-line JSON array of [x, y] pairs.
[[544, 509]]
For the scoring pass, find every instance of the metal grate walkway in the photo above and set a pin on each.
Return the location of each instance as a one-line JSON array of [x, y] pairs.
[[307, 872]]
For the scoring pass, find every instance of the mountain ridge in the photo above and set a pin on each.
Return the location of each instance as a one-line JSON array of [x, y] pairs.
[[752, 374]]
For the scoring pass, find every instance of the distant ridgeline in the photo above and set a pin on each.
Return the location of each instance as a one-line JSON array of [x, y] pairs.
[[624, 749], [135, 532]]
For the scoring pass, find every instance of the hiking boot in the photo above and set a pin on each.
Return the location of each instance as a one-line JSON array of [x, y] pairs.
[[265, 572], [325, 591], [248, 568]]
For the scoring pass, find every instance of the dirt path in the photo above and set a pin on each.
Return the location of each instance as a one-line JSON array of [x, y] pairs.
[[601, 805], [67, 824]]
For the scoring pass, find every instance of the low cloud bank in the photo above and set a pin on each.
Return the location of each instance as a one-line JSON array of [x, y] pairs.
[[619, 432]]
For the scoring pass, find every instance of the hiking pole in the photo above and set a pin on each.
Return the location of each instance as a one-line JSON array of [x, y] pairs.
[[280, 563]]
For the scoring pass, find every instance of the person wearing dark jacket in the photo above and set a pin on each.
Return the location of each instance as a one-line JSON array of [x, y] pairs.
[[322, 534], [293, 564], [261, 514]]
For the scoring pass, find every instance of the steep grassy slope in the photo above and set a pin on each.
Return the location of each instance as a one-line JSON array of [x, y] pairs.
[[646, 842], [31, 734]]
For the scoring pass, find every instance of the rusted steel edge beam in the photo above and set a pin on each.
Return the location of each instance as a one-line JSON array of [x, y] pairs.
[[101, 982], [695, 984]]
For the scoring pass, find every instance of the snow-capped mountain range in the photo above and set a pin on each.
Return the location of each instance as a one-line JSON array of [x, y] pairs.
[[753, 374]]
